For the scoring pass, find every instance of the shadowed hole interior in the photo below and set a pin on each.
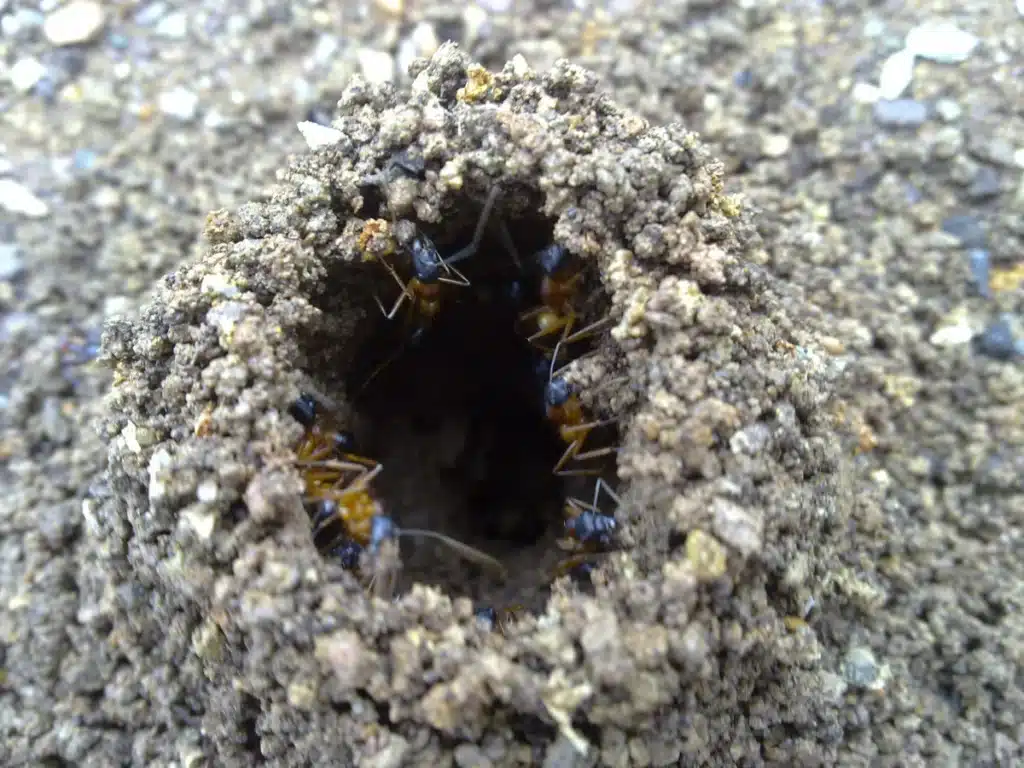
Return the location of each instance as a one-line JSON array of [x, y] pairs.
[[455, 411]]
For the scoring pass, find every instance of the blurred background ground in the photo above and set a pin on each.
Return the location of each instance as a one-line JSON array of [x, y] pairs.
[[898, 220]]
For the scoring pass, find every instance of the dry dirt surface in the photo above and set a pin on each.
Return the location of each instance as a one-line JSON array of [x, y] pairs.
[[810, 348]]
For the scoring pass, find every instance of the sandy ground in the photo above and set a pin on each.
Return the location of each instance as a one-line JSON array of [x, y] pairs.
[[907, 649]]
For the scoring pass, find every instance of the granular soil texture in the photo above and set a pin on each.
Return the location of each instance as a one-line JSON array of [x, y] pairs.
[[688, 640]]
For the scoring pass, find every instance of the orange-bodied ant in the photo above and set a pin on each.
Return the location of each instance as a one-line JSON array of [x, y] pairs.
[[499, 619], [319, 444], [347, 517], [565, 411], [561, 276], [423, 290], [593, 529]]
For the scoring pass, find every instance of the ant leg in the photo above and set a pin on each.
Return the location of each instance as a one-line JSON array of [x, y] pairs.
[[571, 450], [406, 294], [569, 564], [583, 429], [597, 453], [608, 490], [509, 244], [549, 331], [588, 331], [462, 281], [590, 472]]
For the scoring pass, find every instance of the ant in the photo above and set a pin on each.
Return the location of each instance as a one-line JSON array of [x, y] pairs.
[[560, 283], [499, 619], [565, 411], [346, 516], [318, 445], [423, 290], [587, 523], [591, 528]]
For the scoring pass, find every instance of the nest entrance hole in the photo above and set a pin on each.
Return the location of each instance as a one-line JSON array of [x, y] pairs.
[[455, 411]]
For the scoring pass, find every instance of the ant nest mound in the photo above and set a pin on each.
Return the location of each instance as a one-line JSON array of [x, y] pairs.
[[485, 427]]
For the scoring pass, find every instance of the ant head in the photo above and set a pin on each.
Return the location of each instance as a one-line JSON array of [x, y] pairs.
[[304, 410], [557, 392], [552, 259], [344, 442], [488, 616], [426, 261], [347, 555], [381, 529]]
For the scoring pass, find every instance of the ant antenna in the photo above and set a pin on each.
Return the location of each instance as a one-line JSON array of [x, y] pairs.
[[470, 553], [478, 234], [384, 528]]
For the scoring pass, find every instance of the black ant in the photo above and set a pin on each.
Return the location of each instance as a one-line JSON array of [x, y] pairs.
[[561, 276]]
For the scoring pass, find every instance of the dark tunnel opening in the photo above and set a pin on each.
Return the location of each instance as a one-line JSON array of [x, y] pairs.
[[453, 404]]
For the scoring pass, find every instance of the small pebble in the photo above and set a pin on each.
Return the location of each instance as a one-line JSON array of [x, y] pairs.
[[17, 198], [180, 103], [378, 67], [25, 73], [981, 267], [966, 228], [865, 93], [150, 14], [953, 330], [775, 145], [77, 22], [861, 669], [941, 41], [948, 110], [985, 184], [902, 113], [997, 341], [11, 263], [896, 75], [173, 26], [317, 135], [53, 423]]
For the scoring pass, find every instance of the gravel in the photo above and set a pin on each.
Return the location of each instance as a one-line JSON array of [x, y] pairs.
[[870, 234]]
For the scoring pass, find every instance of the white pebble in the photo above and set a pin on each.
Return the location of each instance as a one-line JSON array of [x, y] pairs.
[[317, 135], [17, 198], [897, 73], [954, 330], [1020, 7], [179, 102], [376, 66], [77, 22], [941, 41], [173, 26], [865, 93], [25, 73], [11, 263]]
